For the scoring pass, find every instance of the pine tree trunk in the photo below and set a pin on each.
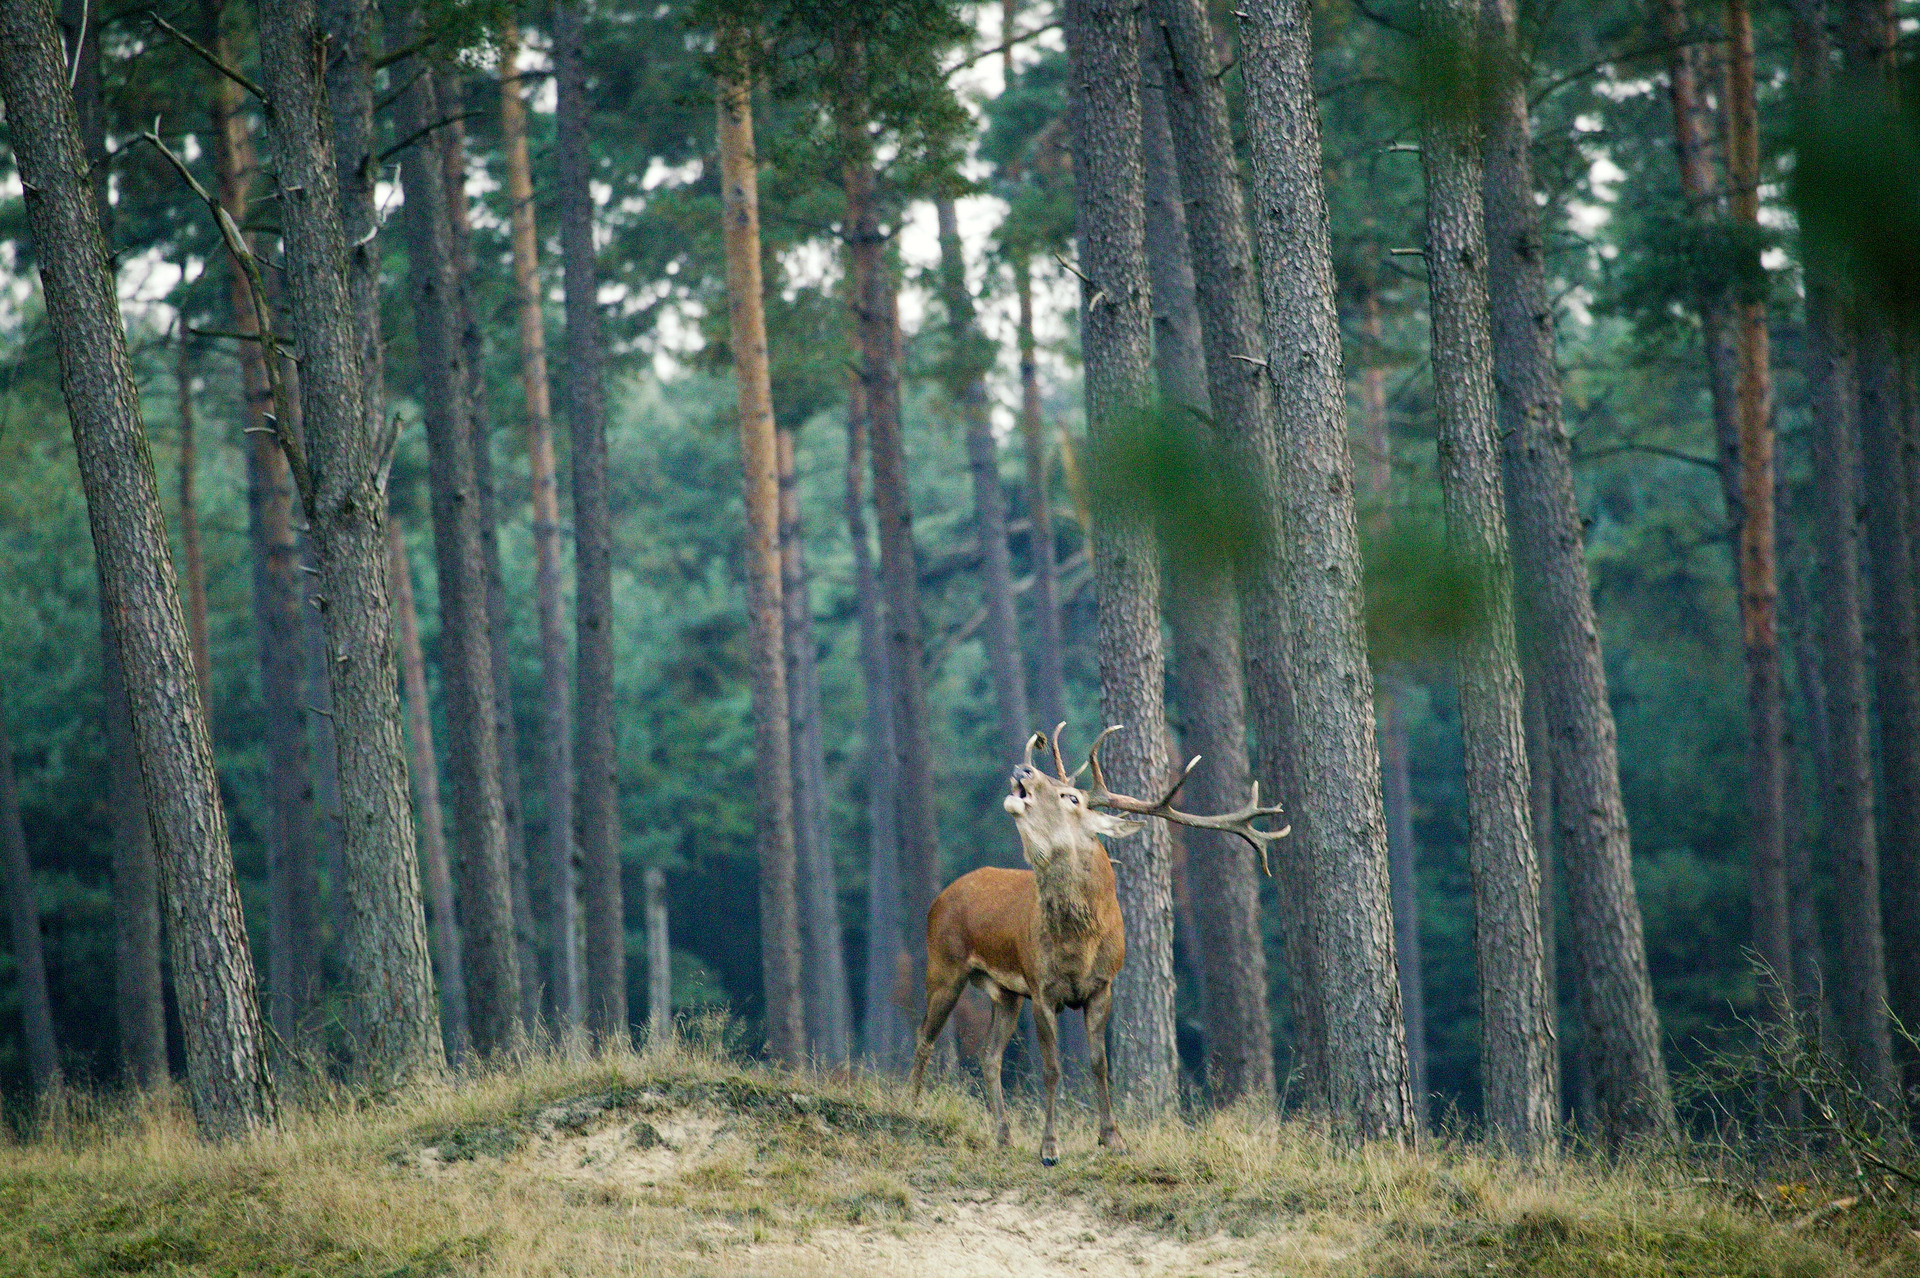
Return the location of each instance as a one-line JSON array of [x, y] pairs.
[[1620, 1029], [659, 960], [1049, 676], [872, 299], [443, 927], [1718, 333], [595, 754], [136, 889], [1516, 1024], [1206, 680], [23, 912], [139, 998], [1759, 590], [392, 1019], [780, 926], [556, 704], [466, 658], [1307, 608], [887, 1031], [293, 888], [228, 1082], [1396, 785], [829, 1019], [970, 356], [453, 155], [1812, 1006], [1117, 340], [193, 561], [1869, 39]]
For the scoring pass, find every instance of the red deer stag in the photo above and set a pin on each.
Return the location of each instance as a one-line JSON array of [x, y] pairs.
[[1052, 934]]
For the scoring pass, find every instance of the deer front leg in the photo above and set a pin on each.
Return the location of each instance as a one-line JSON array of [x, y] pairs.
[[1006, 1018], [943, 991], [1043, 1026], [1098, 1009]]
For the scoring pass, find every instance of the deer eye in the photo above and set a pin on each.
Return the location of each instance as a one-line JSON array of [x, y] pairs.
[[1074, 799]]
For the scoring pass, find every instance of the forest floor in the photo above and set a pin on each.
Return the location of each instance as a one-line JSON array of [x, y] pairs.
[[682, 1162]]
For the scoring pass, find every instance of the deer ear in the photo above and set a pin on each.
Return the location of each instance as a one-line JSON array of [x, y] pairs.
[[1112, 826]]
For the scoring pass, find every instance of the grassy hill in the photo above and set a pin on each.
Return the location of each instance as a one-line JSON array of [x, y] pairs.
[[682, 1162]]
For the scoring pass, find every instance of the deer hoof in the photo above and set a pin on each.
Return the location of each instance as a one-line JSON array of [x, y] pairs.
[[1004, 1137], [1049, 1153], [1113, 1143]]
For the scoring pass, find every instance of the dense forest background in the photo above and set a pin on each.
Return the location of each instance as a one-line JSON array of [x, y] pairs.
[[1625, 259]]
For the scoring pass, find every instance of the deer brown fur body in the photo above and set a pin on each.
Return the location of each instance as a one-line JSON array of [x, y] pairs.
[[1052, 934]]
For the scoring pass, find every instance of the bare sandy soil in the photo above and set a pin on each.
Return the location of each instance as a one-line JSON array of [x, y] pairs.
[[643, 1146]]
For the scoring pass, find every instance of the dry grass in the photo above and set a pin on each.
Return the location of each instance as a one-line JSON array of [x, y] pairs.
[[679, 1161]]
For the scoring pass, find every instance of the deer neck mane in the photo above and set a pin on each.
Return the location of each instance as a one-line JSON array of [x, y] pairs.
[[1070, 884]]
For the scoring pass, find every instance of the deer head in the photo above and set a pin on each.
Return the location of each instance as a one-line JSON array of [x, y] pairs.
[[1056, 819]]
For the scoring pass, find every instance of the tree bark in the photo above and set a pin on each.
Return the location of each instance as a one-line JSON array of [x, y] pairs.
[[1759, 590], [824, 964], [443, 927], [596, 748], [970, 356], [293, 888], [136, 892], [1307, 611], [194, 564], [392, 1020], [139, 983], [453, 154], [1620, 1028], [23, 912], [1116, 337], [213, 971], [887, 1030], [780, 924], [1049, 682], [1718, 323], [1869, 40], [659, 960], [1809, 958], [872, 299], [1206, 678], [1516, 1024], [556, 704], [1396, 786], [466, 658]]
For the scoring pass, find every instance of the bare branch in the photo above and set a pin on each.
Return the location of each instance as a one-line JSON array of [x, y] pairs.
[[402, 53], [419, 133], [249, 265], [209, 57], [998, 49]]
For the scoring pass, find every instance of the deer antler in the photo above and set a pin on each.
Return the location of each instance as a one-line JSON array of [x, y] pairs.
[[1059, 764], [1240, 821], [1037, 739]]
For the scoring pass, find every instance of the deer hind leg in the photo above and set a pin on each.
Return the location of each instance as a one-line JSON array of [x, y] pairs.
[[943, 991], [1044, 1029], [1098, 1009], [1006, 1019]]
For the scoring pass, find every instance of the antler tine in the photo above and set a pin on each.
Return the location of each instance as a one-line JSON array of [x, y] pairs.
[[1093, 759], [1037, 739], [1178, 781], [1060, 764]]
